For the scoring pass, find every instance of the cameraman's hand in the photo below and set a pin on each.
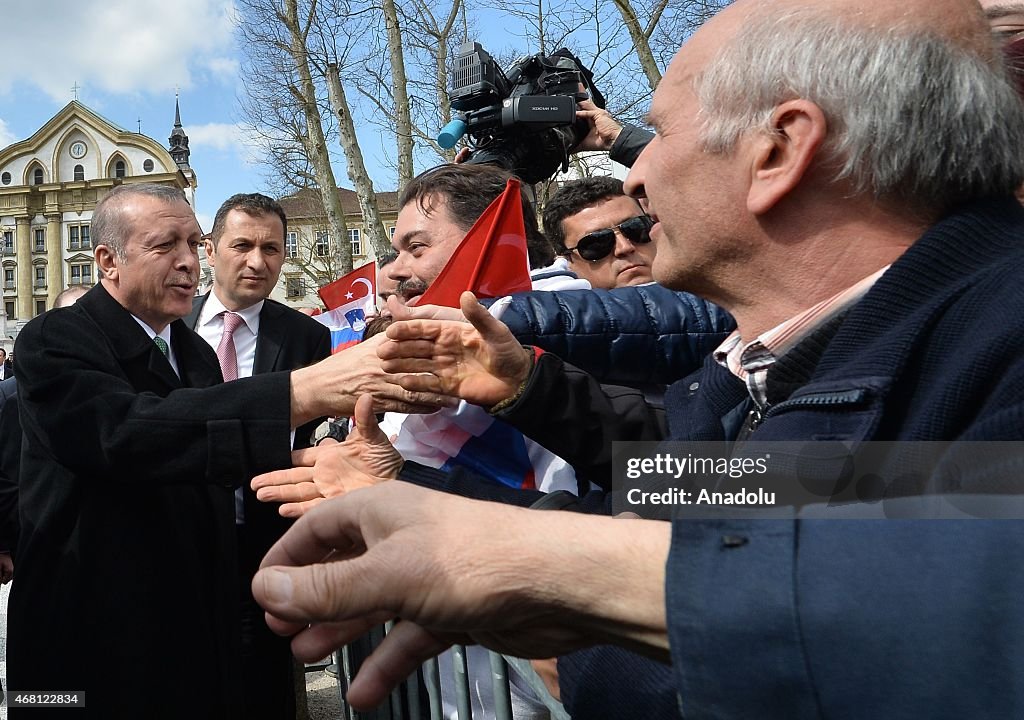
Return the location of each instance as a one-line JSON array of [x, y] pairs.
[[604, 129], [462, 156]]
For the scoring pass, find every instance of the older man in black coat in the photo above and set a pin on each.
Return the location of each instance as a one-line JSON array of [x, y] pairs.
[[127, 560]]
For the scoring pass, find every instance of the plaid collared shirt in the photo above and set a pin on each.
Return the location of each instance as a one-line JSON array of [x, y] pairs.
[[750, 362]]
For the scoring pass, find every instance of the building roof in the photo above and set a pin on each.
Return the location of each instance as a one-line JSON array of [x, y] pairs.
[[306, 203]]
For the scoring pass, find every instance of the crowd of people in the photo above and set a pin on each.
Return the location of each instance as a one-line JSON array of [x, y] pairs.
[[820, 242]]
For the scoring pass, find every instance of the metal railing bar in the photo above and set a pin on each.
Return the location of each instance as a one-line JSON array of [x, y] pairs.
[[527, 673], [432, 679], [502, 690], [461, 673]]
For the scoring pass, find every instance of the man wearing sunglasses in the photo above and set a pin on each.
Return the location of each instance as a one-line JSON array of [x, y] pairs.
[[605, 235]]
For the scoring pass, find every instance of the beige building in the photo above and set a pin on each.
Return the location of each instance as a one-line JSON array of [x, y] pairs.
[[49, 185], [308, 242]]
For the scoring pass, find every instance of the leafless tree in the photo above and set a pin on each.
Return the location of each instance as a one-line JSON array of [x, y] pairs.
[[295, 101]]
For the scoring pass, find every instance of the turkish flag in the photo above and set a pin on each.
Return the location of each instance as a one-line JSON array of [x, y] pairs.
[[357, 289], [491, 260]]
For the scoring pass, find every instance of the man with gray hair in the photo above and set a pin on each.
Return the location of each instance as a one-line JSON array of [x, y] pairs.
[[838, 174], [132, 449]]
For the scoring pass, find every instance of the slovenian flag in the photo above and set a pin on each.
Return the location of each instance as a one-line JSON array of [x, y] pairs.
[[350, 300]]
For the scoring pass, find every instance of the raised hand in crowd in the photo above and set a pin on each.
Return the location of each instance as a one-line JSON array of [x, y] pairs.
[[396, 550], [328, 470], [480, 362]]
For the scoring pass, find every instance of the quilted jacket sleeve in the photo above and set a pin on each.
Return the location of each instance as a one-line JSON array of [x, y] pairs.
[[627, 336]]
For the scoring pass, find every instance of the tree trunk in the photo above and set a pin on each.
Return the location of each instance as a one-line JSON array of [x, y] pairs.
[[356, 169], [315, 143], [444, 101], [640, 44], [399, 92]]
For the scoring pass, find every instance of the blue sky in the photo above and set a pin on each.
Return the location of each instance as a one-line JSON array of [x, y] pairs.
[[128, 57]]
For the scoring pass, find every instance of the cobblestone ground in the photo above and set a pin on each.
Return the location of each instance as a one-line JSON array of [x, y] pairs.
[[321, 688]]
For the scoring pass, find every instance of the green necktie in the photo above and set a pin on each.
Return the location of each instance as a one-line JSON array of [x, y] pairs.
[[162, 344]]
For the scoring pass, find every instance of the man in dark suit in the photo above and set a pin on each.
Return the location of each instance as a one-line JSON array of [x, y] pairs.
[[246, 251], [6, 366], [132, 449]]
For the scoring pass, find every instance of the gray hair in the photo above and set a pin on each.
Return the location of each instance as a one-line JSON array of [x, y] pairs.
[[110, 227], [912, 117]]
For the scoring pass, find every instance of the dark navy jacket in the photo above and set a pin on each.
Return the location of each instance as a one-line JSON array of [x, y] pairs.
[[810, 618]]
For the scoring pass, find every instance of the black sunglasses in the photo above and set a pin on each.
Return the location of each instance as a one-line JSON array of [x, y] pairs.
[[598, 244]]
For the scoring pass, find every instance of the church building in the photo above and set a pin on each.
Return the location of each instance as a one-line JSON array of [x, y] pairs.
[[49, 185]]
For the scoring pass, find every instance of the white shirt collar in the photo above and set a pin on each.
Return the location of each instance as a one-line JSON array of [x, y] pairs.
[[165, 333], [213, 307]]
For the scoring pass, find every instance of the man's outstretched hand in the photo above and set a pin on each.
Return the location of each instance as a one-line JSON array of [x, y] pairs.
[[331, 469], [528, 583], [480, 362]]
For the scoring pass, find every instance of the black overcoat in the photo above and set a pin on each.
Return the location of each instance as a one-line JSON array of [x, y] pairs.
[[127, 571]]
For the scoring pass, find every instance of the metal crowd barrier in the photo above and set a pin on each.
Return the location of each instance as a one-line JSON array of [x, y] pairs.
[[419, 697]]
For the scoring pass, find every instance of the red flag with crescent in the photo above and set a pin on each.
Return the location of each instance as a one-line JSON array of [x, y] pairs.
[[358, 285], [491, 260]]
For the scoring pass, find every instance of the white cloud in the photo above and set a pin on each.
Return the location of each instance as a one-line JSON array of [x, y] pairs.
[[221, 136], [6, 136], [223, 68], [118, 46], [226, 137]]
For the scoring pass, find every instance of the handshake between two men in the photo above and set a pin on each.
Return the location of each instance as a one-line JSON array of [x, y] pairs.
[[429, 352]]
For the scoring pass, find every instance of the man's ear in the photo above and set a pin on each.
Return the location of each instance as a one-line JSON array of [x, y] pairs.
[[106, 262], [211, 252], [781, 159]]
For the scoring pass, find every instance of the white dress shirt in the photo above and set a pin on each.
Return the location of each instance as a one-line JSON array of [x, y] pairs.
[[210, 327]]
